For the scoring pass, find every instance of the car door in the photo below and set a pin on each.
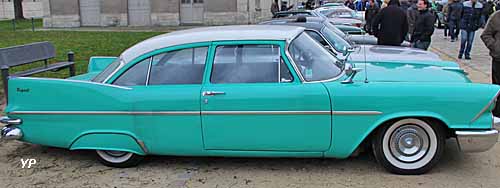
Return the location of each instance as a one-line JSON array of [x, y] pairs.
[[251, 101], [165, 91]]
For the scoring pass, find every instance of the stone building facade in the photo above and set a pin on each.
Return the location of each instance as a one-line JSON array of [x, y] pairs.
[[31, 9], [76, 13]]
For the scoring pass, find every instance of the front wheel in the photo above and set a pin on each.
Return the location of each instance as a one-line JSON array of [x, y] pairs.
[[409, 146], [120, 159]]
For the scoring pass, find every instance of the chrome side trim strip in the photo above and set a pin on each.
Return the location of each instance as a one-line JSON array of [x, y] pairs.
[[356, 112], [105, 113], [77, 81], [485, 107], [265, 112], [198, 113]]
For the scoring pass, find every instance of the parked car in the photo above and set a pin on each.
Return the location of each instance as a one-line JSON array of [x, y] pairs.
[[319, 23], [333, 5], [291, 13], [252, 91], [342, 16], [348, 29], [334, 40]]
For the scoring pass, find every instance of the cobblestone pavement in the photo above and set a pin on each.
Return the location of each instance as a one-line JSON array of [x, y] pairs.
[[62, 168], [479, 68]]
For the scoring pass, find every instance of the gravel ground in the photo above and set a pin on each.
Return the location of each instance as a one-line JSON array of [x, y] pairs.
[[62, 168]]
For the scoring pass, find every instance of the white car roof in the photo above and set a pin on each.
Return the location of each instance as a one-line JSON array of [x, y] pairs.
[[208, 34]]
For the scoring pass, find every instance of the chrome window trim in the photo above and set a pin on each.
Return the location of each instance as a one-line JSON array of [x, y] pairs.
[[149, 70], [485, 107], [77, 81], [287, 46], [122, 63]]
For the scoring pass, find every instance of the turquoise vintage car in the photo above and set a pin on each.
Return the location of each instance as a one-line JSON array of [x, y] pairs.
[[252, 91]]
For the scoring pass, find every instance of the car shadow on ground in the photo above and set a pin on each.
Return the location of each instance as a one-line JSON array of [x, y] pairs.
[[50, 157]]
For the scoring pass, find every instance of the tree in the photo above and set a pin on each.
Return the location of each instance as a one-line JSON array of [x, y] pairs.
[[18, 9]]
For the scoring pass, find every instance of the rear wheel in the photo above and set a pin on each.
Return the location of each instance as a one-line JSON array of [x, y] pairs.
[[409, 146], [120, 159]]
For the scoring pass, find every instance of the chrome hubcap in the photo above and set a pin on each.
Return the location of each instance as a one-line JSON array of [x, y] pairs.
[[409, 143]]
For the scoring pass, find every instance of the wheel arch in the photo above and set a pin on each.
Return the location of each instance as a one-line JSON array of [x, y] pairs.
[[105, 140], [432, 118]]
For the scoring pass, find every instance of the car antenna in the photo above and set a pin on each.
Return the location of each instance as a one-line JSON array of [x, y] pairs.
[[364, 55]]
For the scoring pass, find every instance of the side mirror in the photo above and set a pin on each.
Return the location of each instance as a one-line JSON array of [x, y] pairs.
[[350, 72], [347, 51]]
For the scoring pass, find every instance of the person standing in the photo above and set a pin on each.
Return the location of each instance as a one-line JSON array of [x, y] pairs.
[[491, 38], [309, 5], [445, 20], [454, 16], [405, 5], [411, 15], [488, 10], [350, 4], [469, 24], [370, 13], [275, 7], [390, 25], [424, 26]]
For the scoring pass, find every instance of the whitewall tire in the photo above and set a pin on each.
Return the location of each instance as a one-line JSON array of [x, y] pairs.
[[409, 146], [120, 159]]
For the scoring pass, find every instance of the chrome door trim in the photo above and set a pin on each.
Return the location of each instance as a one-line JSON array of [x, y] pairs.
[[356, 112], [196, 112], [266, 112], [106, 112]]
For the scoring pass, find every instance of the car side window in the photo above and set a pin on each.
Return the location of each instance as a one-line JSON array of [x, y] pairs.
[[135, 75], [249, 64], [178, 67]]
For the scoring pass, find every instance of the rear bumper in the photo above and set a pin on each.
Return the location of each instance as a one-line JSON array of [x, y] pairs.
[[10, 131], [478, 140]]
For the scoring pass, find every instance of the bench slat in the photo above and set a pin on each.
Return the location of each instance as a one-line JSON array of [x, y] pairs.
[[24, 54], [43, 69]]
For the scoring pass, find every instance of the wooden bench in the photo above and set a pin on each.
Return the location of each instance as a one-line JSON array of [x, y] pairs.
[[30, 53]]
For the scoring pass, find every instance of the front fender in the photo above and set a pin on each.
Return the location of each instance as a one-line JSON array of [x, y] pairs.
[[455, 104], [109, 141]]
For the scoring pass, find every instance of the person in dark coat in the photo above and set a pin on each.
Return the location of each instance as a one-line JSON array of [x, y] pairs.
[[371, 12], [390, 25], [488, 10], [350, 4], [424, 26], [454, 16], [469, 24], [275, 7], [491, 38], [411, 16]]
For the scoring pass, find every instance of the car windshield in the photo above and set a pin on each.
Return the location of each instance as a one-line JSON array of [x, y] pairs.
[[337, 41], [314, 62], [107, 71]]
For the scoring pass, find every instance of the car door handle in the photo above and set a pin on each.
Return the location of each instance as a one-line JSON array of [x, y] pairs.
[[212, 93]]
